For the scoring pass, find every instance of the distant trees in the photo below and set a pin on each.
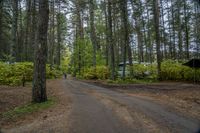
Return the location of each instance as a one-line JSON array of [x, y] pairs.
[[19, 27], [132, 30], [102, 32]]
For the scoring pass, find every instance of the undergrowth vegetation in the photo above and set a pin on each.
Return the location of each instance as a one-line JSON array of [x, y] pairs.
[[29, 108], [101, 72], [173, 70], [145, 73], [14, 74]]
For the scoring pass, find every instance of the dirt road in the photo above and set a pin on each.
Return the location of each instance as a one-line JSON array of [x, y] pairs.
[[87, 108], [100, 110]]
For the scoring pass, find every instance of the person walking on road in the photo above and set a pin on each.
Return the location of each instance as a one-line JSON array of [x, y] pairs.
[[65, 75]]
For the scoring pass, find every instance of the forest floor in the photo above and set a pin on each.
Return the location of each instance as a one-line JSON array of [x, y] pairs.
[[95, 107], [52, 119]]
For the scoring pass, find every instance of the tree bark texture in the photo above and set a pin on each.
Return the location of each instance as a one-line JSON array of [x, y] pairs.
[[39, 77]]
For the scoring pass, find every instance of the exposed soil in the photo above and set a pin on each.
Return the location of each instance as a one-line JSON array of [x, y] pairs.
[[140, 113], [129, 116], [11, 97], [158, 107], [183, 97], [53, 119]]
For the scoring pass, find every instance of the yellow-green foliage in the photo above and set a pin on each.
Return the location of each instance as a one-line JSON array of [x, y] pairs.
[[141, 71], [172, 70], [52, 72], [101, 72], [12, 74]]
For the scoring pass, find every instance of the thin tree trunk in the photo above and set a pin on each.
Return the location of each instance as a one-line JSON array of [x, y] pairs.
[[170, 36], [93, 33], [58, 35], [180, 41], [33, 30], [197, 28], [52, 32], [20, 43], [126, 38], [27, 33], [173, 27], [186, 30], [150, 45], [156, 25], [111, 45], [14, 28], [139, 41], [107, 39], [80, 34], [137, 19], [163, 31], [1, 25]]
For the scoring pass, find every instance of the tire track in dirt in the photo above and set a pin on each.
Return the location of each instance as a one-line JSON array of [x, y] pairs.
[[89, 115], [160, 114], [131, 117]]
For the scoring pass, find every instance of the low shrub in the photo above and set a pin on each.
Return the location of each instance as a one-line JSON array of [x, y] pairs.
[[14, 74], [52, 72], [170, 70], [101, 72], [142, 71], [173, 70]]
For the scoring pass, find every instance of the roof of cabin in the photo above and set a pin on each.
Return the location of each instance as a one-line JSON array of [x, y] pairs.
[[194, 63]]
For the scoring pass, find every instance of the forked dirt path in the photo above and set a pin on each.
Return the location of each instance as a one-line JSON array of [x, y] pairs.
[[89, 115], [87, 108], [100, 110]]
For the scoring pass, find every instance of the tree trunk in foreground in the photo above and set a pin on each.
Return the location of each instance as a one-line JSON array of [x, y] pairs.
[[39, 76]]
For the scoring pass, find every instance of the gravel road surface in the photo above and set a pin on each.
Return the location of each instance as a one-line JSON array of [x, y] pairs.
[[100, 110], [87, 108]]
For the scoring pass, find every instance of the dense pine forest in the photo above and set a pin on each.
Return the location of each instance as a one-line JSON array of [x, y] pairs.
[[100, 66], [99, 39]]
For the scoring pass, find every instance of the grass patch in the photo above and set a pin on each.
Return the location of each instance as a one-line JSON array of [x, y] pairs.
[[29, 108], [131, 81]]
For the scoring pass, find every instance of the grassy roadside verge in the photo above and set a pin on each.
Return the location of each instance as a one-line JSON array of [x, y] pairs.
[[27, 109], [132, 81]]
